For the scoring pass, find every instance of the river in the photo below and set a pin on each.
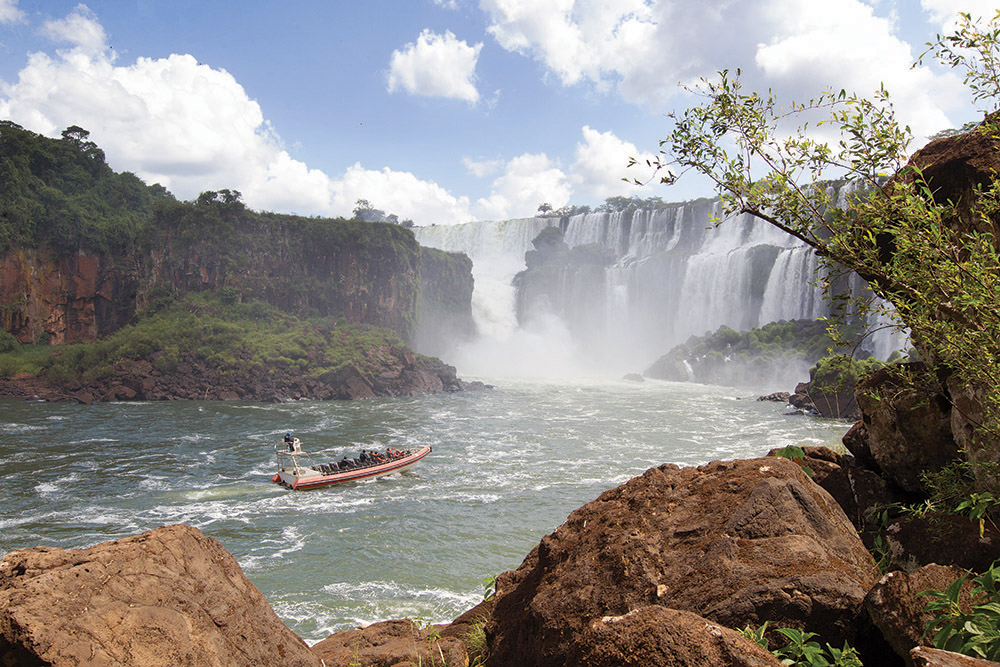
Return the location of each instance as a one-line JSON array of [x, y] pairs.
[[508, 466]]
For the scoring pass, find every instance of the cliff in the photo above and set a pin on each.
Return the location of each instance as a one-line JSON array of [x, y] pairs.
[[370, 273], [83, 249]]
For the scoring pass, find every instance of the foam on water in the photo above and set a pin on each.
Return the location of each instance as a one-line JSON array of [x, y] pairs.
[[508, 465]]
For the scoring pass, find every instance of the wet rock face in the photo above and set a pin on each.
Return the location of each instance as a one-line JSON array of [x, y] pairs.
[[170, 596], [737, 542]]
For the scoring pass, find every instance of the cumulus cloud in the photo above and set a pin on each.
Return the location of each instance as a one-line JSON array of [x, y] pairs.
[[944, 12], [601, 164], [194, 128], [401, 193], [800, 47], [528, 180], [592, 41], [9, 13], [836, 49], [482, 168], [436, 66], [80, 28]]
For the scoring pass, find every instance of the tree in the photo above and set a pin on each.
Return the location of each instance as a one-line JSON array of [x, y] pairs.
[[364, 211], [544, 208], [934, 260]]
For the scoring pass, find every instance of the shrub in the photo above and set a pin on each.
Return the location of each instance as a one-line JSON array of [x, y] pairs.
[[976, 633], [7, 342]]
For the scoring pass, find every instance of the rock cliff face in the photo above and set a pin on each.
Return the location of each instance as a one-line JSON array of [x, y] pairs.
[[444, 303], [371, 273], [68, 299]]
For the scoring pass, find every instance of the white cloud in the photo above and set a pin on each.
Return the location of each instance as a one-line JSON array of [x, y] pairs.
[[834, 47], [591, 40], [528, 180], [481, 168], [601, 164], [436, 66], [643, 48], [401, 193], [193, 128], [80, 28], [944, 12], [9, 13]]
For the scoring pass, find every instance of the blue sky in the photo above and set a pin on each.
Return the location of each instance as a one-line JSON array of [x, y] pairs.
[[441, 111]]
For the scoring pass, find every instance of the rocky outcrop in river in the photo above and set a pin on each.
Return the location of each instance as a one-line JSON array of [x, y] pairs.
[[389, 371]]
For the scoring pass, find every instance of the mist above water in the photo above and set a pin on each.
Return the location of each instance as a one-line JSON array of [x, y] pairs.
[[674, 275]]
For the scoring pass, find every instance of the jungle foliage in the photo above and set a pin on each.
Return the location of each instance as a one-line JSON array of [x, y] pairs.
[[61, 192]]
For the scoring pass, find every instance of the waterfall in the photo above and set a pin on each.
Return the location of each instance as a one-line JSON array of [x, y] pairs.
[[674, 274]]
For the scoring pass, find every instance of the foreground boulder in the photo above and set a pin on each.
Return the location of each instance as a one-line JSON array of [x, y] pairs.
[[170, 596], [655, 635], [738, 542], [924, 656], [391, 643]]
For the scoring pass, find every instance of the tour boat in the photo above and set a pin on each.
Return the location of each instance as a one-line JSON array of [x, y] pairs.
[[296, 470]]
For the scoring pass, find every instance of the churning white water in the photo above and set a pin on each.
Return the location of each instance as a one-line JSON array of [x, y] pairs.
[[508, 465]]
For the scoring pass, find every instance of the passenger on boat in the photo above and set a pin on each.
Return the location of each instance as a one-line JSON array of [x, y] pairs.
[[290, 441]]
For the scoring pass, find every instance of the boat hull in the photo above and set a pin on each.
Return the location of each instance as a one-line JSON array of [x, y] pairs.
[[315, 480]]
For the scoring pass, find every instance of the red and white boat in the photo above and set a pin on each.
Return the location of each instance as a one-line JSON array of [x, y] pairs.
[[296, 470]]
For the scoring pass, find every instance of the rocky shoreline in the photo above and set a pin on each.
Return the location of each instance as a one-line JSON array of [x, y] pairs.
[[399, 372]]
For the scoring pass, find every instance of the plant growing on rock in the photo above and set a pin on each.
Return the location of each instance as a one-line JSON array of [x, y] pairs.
[[976, 632], [801, 649]]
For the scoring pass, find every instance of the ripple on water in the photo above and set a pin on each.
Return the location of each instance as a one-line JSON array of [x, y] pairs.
[[507, 467]]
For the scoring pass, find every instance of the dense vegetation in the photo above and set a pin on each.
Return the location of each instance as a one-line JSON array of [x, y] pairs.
[[62, 193], [221, 334]]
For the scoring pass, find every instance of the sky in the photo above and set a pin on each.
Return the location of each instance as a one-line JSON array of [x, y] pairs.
[[440, 111]]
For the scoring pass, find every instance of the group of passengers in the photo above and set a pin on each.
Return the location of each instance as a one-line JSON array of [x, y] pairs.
[[366, 459]]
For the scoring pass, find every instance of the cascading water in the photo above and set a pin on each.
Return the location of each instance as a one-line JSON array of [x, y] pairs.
[[674, 274]]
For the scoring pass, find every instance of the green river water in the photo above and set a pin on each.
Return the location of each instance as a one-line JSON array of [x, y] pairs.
[[509, 464]]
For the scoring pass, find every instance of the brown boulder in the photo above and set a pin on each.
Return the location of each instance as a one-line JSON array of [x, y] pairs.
[[914, 541], [738, 542], [655, 635], [898, 610], [908, 420], [391, 644], [923, 656], [856, 489], [170, 596]]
